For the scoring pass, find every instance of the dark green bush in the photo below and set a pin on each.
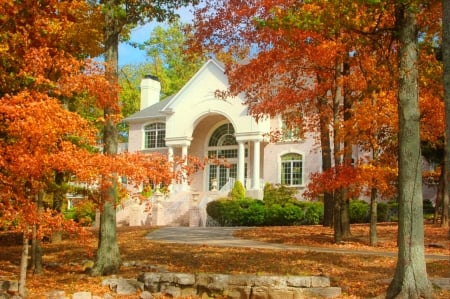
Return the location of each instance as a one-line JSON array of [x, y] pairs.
[[428, 207], [313, 213], [382, 212], [289, 214], [251, 213], [359, 211], [237, 212]]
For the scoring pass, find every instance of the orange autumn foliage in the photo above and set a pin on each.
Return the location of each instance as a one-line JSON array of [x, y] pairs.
[[307, 58]]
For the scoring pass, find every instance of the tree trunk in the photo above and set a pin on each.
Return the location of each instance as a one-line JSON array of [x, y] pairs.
[[24, 265], [446, 83], [36, 249], [373, 217], [108, 255], [444, 197], [58, 200], [325, 143], [410, 279], [439, 194], [338, 236]]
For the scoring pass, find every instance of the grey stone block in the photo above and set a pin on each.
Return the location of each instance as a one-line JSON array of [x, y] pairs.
[[82, 295], [320, 281], [298, 281]]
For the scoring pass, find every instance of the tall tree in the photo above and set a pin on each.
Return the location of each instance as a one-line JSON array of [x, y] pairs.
[[120, 16], [446, 83], [410, 279]]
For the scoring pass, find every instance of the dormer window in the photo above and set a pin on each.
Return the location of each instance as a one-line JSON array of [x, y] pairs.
[[154, 135]]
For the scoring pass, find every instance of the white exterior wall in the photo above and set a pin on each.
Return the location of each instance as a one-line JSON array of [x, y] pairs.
[[135, 137], [312, 161]]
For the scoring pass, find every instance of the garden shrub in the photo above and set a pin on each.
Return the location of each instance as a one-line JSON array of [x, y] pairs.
[[254, 212], [382, 212], [313, 212], [289, 214], [359, 211], [238, 191], [251, 212], [428, 207], [278, 194], [237, 212]]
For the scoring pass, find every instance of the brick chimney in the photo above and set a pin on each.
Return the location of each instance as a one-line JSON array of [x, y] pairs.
[[150, 91]]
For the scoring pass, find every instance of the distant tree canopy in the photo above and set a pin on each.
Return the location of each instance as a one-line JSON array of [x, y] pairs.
[[167, 59]]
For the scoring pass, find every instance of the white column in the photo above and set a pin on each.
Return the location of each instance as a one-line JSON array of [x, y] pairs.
[[256, 158], [241, 162], [170, 154]]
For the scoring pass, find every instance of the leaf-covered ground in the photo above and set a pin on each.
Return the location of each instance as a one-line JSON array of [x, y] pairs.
[[359, 276]]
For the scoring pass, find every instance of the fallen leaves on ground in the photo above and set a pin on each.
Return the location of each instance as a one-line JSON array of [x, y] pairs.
[[359, 276]]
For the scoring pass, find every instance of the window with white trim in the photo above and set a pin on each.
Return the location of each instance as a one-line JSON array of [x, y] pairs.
[[154, 135], [292, 169]]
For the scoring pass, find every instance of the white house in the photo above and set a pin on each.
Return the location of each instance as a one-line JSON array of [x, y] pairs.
[[195, 122]]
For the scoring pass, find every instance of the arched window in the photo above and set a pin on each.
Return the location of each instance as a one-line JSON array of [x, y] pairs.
[[154, 135], [292, 169], [223, 136]]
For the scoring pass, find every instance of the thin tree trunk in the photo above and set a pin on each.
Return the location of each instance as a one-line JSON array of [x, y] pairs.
[[373, 217], [58, 199], [325, 142], [410, 279], [444, 198], [439, 195], [348, 149], [36, 249], [446, 83], [108, 255], [24, 265], [338, 236]]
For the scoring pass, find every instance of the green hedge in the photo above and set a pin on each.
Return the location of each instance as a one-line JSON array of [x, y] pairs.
[[253, 212]]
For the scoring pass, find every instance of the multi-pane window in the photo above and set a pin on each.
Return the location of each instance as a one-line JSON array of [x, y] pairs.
[[154, 135], [223, 136], [291, 169]]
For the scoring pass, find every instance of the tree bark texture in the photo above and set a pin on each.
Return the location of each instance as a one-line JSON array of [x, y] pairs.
[[24, 265], [108, 259], [446, 83], [410, 278], [36, 248], [325, 143], [373, 217]]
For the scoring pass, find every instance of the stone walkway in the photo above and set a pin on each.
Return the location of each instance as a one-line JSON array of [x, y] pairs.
[[223, 237]]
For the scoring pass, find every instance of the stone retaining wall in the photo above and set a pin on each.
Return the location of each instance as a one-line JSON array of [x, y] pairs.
[[239, 286]]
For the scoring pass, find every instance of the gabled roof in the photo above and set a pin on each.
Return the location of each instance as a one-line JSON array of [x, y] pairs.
[[162, 108], [153, 111], [174, 98]]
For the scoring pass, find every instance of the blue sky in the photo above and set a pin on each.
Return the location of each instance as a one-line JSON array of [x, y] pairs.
[[130, 55]]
